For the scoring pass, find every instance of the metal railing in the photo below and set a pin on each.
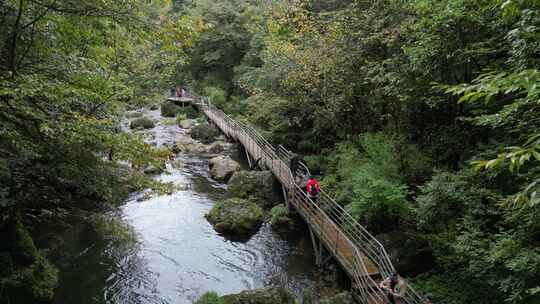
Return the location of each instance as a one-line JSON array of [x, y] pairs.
[[348, 241]]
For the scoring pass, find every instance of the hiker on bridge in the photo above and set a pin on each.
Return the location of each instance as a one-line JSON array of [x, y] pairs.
[[294, 164], [395, 287], [312, 188]]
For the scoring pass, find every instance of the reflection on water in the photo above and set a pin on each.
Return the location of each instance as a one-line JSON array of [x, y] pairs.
[[176, 255]]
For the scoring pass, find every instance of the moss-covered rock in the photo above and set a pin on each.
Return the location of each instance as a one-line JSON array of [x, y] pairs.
[[261, 296], [257, 186], [154, 107], [205, 133], [142, 123], [236, 218], [223, 167]]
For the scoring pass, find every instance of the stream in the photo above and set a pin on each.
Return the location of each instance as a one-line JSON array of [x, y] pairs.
[[175, 254]]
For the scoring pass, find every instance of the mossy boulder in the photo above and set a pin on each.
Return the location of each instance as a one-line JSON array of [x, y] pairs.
[[257, 186], [142, 123], [170, 109], [205, 133], [236, 218], [223, 167], [280, 220], [271, 295], [154, 107]]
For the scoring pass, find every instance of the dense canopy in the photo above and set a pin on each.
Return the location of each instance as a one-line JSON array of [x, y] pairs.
[[420, 117]]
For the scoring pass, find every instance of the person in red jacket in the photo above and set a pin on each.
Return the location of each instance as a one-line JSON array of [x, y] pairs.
[[312, 188]]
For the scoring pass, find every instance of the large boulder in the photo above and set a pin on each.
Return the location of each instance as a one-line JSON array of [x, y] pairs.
[[223, 167], [205, 133], [236, 218], [216, 147], [261, 296], [257, 186], [410, 254], [186, 123], [153, 170], [142, 123], [187, 145]]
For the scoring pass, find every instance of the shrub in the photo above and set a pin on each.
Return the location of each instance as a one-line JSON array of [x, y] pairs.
[[277, 213], [180, 117], [379, 204], [371, 177], [143, 122], [170, 109], [216, 94], [210, 297], [189, 111]]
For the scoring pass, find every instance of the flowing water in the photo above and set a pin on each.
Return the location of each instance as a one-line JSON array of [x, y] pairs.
[[176, 255]]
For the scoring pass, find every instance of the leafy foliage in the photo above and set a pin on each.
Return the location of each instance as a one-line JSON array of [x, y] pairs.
[[351, 84]]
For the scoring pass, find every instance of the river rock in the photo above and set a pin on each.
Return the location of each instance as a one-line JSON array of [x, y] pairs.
[[223, 167], [153, 170], [142, 123], [235, 217], [261, 296], [410, 254], [205, 133], [187, 144], [257, 186], [216, 147], [177, 163], [186, 123]]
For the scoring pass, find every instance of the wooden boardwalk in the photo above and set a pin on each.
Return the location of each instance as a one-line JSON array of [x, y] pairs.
[[332, 229]]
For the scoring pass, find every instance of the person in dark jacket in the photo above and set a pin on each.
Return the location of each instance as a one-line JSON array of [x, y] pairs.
[[294, 163]]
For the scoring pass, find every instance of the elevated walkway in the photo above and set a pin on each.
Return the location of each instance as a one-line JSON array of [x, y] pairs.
[[333, 230]]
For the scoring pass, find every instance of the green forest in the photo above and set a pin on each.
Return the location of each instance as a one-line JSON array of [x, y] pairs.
[[421, 118]]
